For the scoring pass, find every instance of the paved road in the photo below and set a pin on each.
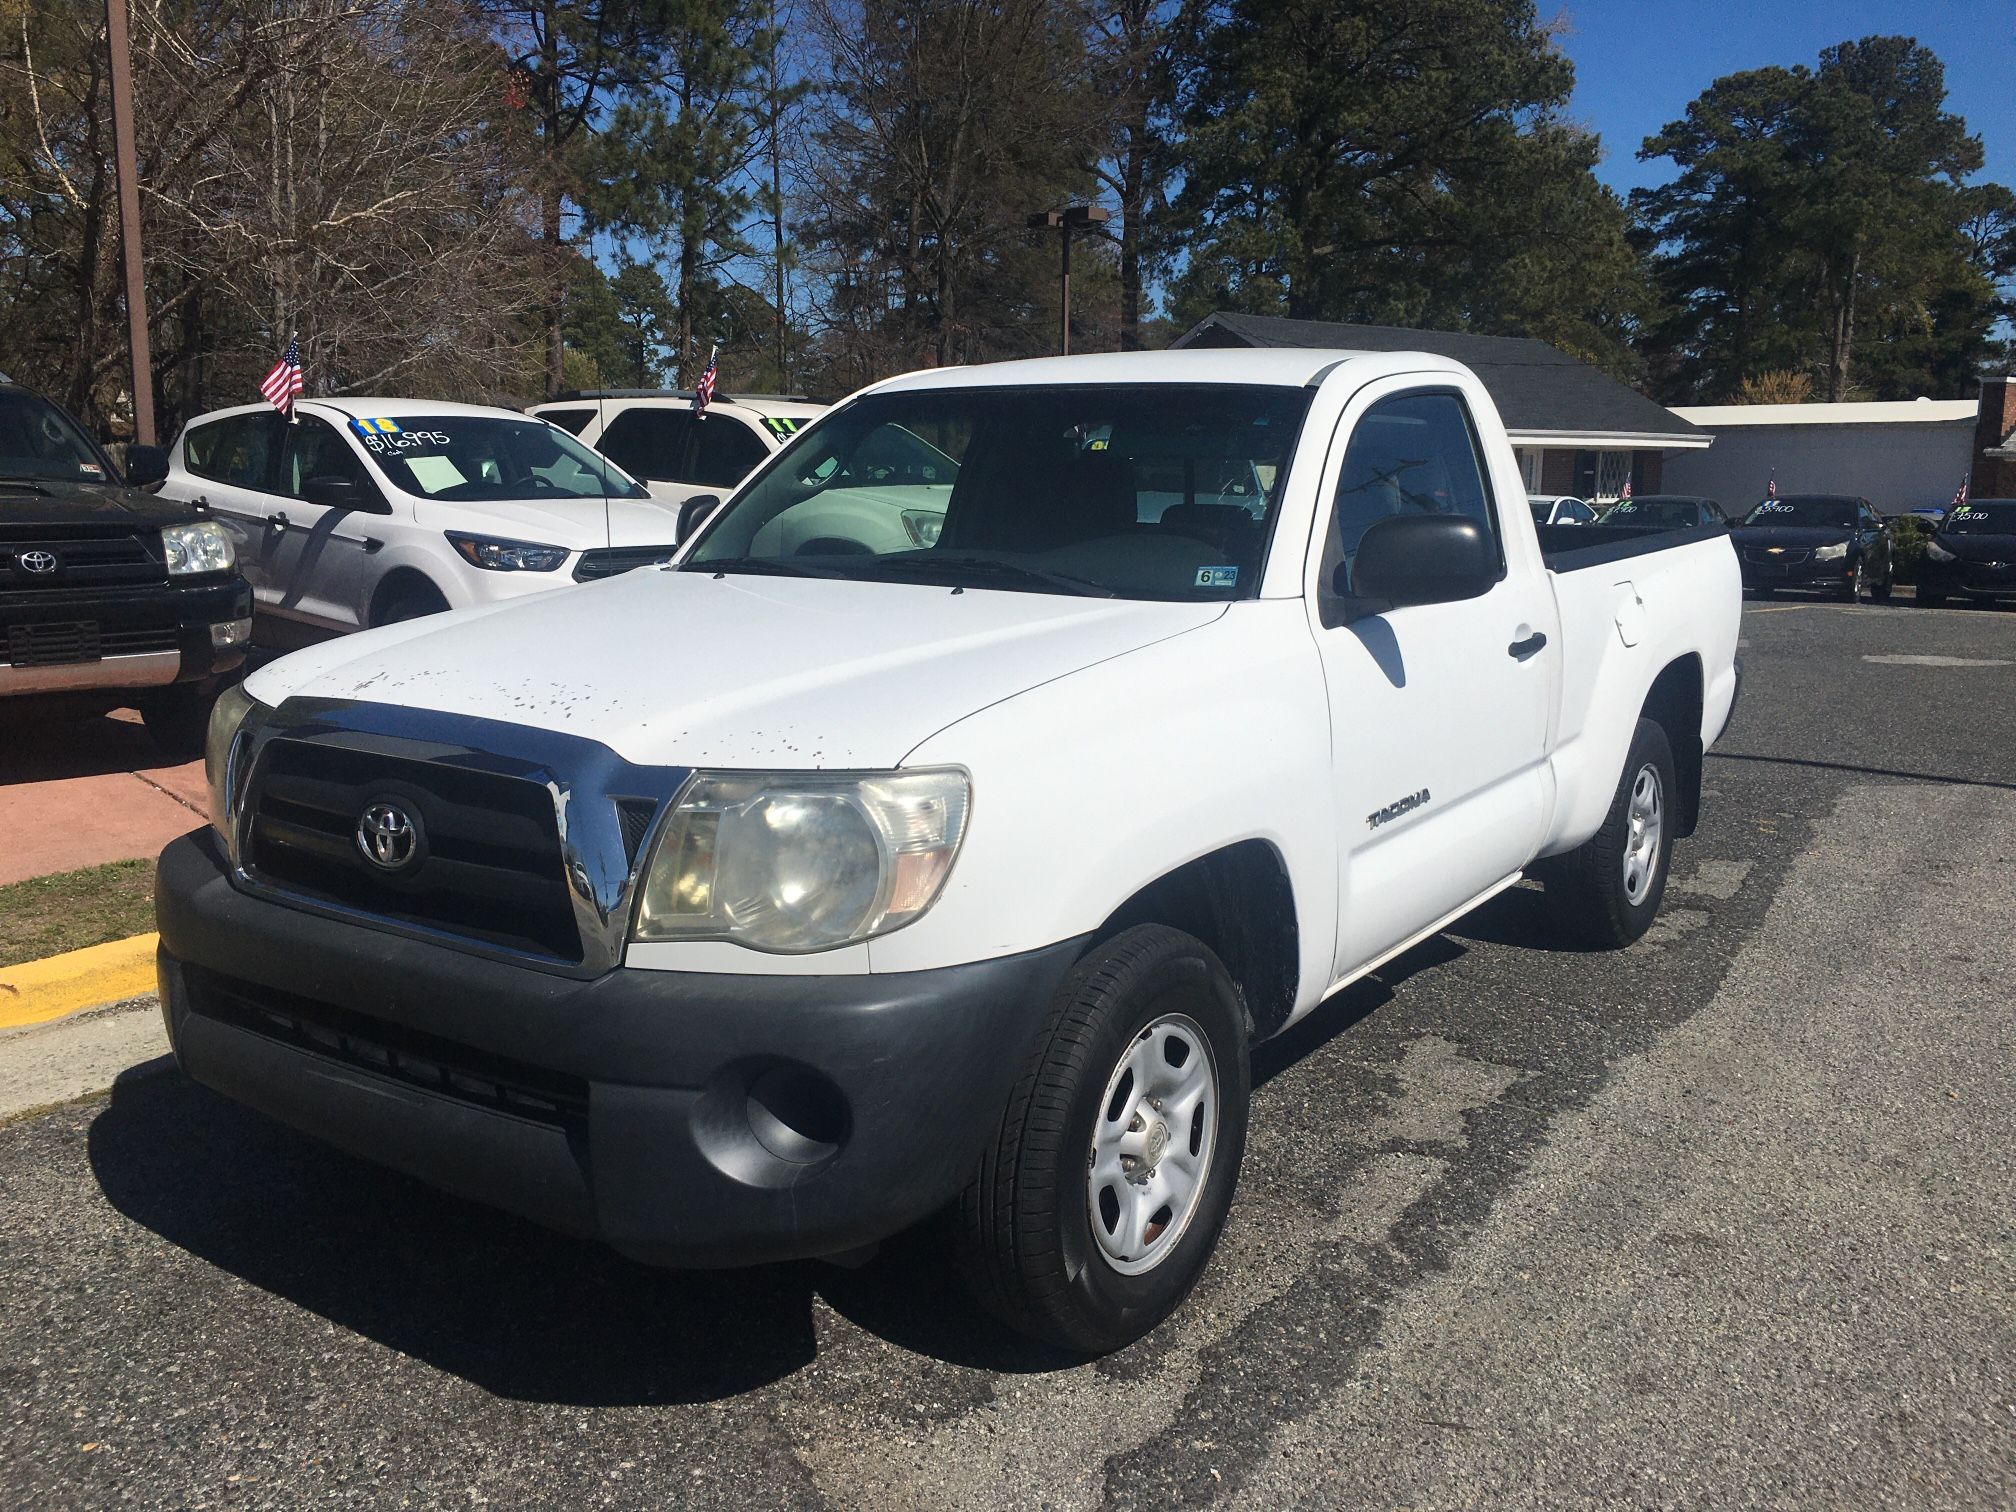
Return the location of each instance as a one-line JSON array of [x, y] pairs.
[[1725, 1219]]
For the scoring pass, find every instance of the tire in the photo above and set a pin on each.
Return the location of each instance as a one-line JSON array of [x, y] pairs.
[[1882, 595], [1099, 1073], [177, 719], [1853, 592], [1764, 593], [409, 601], [1929, 598], [1594, 898]]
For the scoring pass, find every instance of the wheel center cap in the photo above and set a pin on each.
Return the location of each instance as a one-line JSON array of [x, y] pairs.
[[1158, 1142]]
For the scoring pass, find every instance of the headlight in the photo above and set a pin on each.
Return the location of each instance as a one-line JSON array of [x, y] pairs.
[[1830, 553], [199, 546], [1939, 553], [923, 526], [227, 717], [495, 555], [792, 862]]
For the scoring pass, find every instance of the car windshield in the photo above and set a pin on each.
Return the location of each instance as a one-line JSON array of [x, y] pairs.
[[1981, 517], [1654, 514], [1158, 491], [1818, 513], [486, 458], [38, 441]]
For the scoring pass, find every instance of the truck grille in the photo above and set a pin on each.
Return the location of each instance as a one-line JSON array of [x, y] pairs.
[[84, 558], [618, 559], [55, 645], [487, 865]]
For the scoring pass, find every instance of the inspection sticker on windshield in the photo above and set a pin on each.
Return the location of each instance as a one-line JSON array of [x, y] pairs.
[[1217, 577], [375, 427]]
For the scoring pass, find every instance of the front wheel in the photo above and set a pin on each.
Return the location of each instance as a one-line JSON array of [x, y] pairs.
[[1607, 893], [1102, 1196], [177, 718], [1881, 591]]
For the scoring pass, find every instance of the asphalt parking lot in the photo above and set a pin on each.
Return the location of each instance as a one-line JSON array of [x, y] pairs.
[[1725, 1219]]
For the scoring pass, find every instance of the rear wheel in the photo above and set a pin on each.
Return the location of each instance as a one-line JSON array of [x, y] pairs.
[[1608, 892], [1102, 1197]]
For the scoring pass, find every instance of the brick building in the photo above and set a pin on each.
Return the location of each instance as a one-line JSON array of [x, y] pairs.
[[1994, 471]]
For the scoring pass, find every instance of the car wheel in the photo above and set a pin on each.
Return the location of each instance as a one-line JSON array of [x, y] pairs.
[[1102, 1196], [1853, 592], [410, 601], [1882, 591], [178, 717], [1929, 598], [1762, 593], [1607, 892]]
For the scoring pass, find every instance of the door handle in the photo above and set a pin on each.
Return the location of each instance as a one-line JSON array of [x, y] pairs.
[[1520, 650]]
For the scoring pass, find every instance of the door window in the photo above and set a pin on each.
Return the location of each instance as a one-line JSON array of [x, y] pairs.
[[239, 450], [649, 443], [315, 450], [1415, 454], [725, 451], [1577, 513], [572, 421]]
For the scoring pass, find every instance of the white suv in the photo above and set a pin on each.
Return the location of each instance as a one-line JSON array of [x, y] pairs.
[[652, 434], [360, 512]]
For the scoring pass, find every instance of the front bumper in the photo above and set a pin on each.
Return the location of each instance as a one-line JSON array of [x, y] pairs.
[[168, 625], [1836, 573], [685, 1118], [1982, 580]]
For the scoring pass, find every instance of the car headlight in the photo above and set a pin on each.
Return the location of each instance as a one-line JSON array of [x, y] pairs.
[[1830, 553], [795, 861], [1939, 553], [198, 546], [227, 718], [495, 555], [923, 526]]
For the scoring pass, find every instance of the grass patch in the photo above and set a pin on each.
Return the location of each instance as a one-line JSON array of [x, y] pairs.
[[49, 915]]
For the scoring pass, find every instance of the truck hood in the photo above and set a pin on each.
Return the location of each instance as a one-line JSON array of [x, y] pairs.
[[689, 669], [578, 524], [54, 502]]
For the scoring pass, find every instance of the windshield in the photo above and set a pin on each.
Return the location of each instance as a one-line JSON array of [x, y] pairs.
[[489, 458], [1654, 514], [1982, 517], [37, 440], [1159, 491], [1820, 513]]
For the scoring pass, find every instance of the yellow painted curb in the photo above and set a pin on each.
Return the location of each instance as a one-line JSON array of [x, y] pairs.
[[36, 991]]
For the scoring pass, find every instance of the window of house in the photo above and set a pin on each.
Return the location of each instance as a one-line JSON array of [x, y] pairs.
[[1613, 471]]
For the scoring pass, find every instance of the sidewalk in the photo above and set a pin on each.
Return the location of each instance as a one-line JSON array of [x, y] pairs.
[[75, 793]]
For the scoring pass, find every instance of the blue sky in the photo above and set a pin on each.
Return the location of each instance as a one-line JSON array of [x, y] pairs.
[[1638, 62]]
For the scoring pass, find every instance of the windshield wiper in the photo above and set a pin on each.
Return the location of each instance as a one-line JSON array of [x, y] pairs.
[[766, 566], [25, 480], [932, 563]]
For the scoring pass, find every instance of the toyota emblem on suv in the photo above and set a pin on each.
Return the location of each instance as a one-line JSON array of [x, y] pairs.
[[388, 836], [37, 561]]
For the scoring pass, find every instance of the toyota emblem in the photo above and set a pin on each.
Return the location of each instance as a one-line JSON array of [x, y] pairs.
[[37, 561], [387, 836]]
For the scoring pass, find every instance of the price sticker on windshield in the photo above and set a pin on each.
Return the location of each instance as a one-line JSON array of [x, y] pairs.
[[1217, 577]]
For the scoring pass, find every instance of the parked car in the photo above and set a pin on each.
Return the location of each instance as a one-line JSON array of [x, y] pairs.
[[1560, 509], [1831, 541], [1972, 555], [964, 874], [653, 434], [109, 597], [1667, 512], [363, 512]]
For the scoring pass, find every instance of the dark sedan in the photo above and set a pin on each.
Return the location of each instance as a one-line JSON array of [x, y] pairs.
[[1972, 555], [1818, 541], [1666, 512]]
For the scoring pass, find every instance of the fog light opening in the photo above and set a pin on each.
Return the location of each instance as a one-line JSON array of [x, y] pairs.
[[797, 1115], [227, 633]]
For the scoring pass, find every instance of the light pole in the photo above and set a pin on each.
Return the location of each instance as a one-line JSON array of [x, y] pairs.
[[126, 166], [1064, 222]]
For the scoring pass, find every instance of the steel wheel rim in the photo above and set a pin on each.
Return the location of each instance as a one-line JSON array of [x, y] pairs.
[[1152, 1142], [1647, 826]]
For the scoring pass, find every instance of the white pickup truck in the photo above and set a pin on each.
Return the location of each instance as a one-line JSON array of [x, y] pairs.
[[761, 905]]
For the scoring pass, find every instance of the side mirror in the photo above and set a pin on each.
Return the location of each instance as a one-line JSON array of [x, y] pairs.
[[146, 466], [332, 492], [693, 514], [1422, 559]]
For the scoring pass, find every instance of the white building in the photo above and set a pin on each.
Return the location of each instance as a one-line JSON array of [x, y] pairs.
[[1898, 455]]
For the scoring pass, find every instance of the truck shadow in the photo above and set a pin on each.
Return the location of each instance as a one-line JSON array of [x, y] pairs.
[[522, 1312]]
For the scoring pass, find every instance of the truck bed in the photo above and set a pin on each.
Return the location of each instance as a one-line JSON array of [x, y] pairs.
[[1570, 548]]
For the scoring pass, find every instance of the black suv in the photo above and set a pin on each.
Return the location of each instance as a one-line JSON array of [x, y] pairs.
[[109, 597]]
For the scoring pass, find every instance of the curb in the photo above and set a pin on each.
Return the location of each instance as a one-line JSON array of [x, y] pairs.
[[37, 991]]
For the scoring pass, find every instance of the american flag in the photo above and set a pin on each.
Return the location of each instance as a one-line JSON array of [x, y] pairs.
[[1626, 495], [1960, 496], [283, 385], [1771, 488], [703, 391]]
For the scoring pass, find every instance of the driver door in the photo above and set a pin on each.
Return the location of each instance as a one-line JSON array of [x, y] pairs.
[[319, 566]]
